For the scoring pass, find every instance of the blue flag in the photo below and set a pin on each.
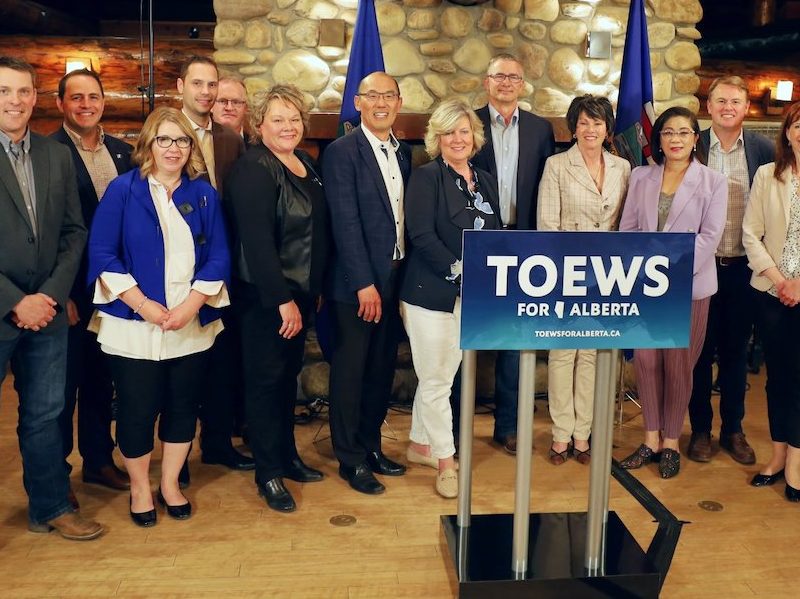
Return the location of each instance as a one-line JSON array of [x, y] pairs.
[[366, 56], [635, 114]]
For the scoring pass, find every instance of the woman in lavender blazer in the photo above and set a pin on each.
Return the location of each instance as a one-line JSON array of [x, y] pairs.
[[676, 194]]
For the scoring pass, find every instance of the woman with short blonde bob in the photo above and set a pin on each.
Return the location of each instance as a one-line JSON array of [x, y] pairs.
[[444, 197], [159, 262], [280, 227]]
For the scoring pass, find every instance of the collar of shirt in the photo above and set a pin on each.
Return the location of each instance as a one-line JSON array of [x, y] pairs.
[[78, 140], [714, 143], [377, 143], [25, 142], [197, 127], [497, 118]]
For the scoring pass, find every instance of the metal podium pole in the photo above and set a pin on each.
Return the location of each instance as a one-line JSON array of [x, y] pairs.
[[469, 368], [600, 469], [522, 493]]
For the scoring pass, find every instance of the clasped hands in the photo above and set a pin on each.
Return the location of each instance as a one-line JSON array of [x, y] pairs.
[[788, 292], [34, 312], [167, 320]]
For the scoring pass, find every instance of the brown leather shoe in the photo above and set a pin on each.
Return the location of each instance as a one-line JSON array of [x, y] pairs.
[[109, 476], [738, 447], [699, 449], [73, 501], [71, 526], [508, 443]]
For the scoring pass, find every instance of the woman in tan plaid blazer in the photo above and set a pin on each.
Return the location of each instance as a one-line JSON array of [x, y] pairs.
[[582, 189]]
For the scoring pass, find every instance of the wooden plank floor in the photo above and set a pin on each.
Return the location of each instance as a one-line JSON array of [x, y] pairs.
[[235, 546]]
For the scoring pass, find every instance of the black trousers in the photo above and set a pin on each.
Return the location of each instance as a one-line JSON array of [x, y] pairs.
[[224, 387], [89, 385], [362, 372], [779, 326], [271, 365], [147, 389], [730, 325]]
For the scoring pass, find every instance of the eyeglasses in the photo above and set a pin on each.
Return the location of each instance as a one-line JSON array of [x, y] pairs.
[[374, 96], [501, 77], [234, 103], [683, 134], [164, 141]]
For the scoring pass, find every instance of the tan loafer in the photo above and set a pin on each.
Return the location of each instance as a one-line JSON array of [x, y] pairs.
[[447, 483]]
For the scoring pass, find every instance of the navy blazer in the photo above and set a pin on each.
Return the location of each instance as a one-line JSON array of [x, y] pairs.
[[536, 145], [361, 216], [758, 150], [126, 238], [121, 155], [436, 216]]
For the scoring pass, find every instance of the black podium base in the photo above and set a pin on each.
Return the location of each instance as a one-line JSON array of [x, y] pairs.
[[482, 558]]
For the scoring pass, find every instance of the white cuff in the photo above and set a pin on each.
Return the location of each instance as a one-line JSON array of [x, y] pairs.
[[110, 285], [216, 291]]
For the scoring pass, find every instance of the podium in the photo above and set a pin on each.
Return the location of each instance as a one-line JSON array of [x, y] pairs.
[[583, 554]]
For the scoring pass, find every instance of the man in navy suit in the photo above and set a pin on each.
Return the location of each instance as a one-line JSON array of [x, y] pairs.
[[517, 145], [365, 173], [98, 159]]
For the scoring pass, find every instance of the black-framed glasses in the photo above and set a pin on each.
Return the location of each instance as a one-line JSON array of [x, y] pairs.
[[375, 96], [165, 141], [234, 103], [501, 77]]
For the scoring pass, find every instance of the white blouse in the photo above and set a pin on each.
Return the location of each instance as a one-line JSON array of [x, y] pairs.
[[146, 341]]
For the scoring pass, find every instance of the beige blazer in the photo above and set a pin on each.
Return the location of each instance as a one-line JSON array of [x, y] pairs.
[[766, 219], [569, 199]]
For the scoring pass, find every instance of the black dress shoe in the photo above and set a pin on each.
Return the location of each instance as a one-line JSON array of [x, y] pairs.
[[792, 494], [179, 512], [299, 472], [143, 519], [230, 458], [184, 478], [277, 496], [380, 464], [766, 480], [361, 479]]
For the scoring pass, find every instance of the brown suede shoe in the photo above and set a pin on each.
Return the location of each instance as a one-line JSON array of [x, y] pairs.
[[109, 476], [699, 449], [739, 448], [71, 526]]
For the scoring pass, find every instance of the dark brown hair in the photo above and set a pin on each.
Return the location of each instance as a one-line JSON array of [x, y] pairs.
[[196, 59], [655, 139], [595, 107], [62, 85], [17, 64], [784, 156]]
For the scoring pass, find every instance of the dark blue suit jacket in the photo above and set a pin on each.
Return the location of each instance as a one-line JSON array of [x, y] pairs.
[[360, 215], [758, 150], [536, 145], [121, 155]]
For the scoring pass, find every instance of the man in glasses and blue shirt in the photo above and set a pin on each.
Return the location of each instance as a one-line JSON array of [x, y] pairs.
[[517, 145], [365, 174]]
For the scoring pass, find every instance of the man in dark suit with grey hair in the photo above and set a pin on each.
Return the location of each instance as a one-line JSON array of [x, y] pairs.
[[41, 240]]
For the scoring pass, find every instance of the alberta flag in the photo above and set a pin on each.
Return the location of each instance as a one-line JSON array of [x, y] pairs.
[[366, 56], [635, 113]]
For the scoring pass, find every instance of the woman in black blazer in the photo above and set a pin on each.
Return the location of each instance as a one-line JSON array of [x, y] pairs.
[[281, 243], [444, 197]]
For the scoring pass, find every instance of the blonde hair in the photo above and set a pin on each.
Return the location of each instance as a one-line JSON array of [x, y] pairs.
[[259, 106], [143, 153], [733, 80], [444, 120]]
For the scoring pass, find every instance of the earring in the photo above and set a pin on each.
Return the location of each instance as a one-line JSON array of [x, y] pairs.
[[695, 148]]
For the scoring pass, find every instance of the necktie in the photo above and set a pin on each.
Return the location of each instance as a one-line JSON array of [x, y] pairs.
[[18, 163], [207, 149]]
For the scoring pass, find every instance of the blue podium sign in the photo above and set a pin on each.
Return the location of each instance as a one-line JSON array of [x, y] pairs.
[[576, 290]]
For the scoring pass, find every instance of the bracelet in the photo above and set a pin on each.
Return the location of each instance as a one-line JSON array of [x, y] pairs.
[[139, 307]]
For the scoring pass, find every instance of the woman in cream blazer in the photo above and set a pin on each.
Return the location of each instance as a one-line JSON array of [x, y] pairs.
[[582, 189], [771, 237]]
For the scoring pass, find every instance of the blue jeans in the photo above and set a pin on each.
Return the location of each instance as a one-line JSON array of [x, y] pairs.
[[38, 361], [506, 393]]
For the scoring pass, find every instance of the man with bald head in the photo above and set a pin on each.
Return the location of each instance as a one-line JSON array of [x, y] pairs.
[[365, 174]]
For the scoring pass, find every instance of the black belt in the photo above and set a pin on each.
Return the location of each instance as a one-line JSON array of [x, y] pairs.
[[730, 260]]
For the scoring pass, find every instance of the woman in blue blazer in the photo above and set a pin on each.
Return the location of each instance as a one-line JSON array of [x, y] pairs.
[[159, 264], [444, 197], [677, 194]]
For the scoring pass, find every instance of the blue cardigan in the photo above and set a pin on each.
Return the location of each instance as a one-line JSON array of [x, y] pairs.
[[126, 238]]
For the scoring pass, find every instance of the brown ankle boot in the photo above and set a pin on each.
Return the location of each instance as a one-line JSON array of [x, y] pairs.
[[71, 526]]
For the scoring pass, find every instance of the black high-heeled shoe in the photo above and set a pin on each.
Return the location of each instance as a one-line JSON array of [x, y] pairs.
[[792, 494], [179, 512], [143, 519]]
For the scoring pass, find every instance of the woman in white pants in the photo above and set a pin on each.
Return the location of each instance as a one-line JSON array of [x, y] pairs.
[[444, 197]]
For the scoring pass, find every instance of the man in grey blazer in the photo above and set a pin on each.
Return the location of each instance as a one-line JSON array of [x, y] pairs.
[[517, 145], [41, 240], [737, 153]]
